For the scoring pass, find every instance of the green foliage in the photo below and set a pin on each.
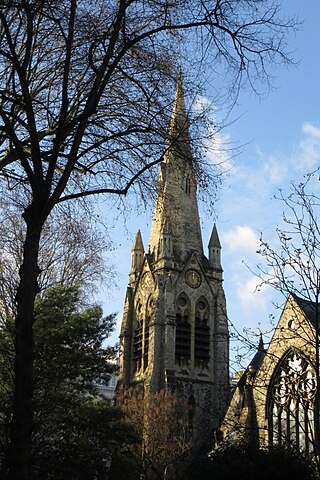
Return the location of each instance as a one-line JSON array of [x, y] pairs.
[[72, 339], [242, 462], [86, 437], [74, 434]]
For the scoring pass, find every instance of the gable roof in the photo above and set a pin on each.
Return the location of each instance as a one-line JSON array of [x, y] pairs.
[[309, 308]]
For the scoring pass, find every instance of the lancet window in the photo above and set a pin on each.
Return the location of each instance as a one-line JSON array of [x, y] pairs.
[[183, 329], [141, 336], [138, 338], [188, 185], [291, 403], [202, 333], [146, 333]]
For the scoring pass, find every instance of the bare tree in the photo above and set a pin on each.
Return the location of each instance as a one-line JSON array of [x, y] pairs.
[[161, 422], [83, 100], [292, 267], [72, 251], [276, 399]]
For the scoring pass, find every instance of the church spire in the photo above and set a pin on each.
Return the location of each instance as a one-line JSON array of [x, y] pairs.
[[214, 249], [179, 125], [175, 329], [137, 257], [177, 190]]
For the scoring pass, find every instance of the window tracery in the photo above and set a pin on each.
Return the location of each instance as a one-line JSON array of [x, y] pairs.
[[291, 403]]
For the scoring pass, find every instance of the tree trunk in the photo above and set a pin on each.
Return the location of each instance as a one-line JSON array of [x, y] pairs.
[[19, 461]]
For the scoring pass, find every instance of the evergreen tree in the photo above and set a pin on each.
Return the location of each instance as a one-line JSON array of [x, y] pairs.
[[75, 435]]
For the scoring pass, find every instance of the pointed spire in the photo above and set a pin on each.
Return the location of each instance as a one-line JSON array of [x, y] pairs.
[[179, 103], [258, 358], [179, 113], [214, 249], [177, 193], [214, 241], [138, 244], [178, 137], [261, 344], [137, 254]]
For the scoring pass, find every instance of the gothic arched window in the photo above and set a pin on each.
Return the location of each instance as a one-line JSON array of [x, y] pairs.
[[202, 333], [137, 344], [291, 403], [183, 329]]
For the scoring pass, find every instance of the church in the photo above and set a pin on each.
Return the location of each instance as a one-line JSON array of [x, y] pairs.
[[174, 332], [274, 402]]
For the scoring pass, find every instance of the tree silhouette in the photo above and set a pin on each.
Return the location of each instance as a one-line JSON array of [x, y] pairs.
[[83, 105]]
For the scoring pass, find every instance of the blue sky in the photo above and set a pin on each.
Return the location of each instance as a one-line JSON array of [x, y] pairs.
[[281, 134]]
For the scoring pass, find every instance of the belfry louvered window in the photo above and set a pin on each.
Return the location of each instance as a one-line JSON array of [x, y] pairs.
[[138, 339], [183, 329], [202, 333], [146, 333], [291, 403]]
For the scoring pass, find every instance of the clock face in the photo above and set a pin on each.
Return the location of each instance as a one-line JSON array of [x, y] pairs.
[[193, 278]]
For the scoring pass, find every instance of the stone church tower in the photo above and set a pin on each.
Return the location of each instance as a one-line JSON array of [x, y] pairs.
[[174, 332]]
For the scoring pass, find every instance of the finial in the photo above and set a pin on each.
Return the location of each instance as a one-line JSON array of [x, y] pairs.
[[214, 249], [214, 241], [137, 256], [261, 344], [138, 244]]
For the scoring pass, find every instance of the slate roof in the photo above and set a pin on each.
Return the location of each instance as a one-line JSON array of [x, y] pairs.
[[309, 308]]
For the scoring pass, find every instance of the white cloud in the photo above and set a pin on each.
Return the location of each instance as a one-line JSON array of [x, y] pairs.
[[241, 237], [218, 151], [269, 171], [259, 178], [310, 129], [201, 104], [308, 152], [275, 170], [251, 294]]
